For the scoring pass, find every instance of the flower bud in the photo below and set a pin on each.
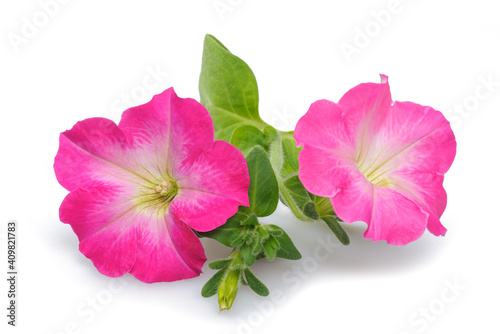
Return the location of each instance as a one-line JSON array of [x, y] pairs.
[[228, 289]]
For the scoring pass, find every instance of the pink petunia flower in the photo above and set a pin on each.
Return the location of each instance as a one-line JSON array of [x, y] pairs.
[[379, 162], [137, 189]]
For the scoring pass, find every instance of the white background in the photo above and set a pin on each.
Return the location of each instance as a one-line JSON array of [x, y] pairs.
[[89, 55]]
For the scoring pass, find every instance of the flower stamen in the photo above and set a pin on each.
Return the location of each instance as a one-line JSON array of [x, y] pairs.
[[375, 173], [156, 199]]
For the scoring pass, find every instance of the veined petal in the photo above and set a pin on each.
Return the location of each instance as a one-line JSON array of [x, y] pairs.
[[416, 147], [325, 172], [417, 137], [354, 200], [211, 187], [390, 216], [425, 189], [168, 128], [167, 250], [119, 239], [365, 108], [324, 127], [94, 151], [104, 222], [435, 227], [395, 218]]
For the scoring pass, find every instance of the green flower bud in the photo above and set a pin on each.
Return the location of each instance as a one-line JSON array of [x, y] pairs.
[[228, 289]]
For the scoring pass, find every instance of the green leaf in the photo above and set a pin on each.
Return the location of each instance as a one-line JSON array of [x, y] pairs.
[[257, 286], [256, 247], [246, 253], [290, 155], [269, 250], [300, 197], [229, 232], [287, 249], [274, 242], [246, 137], [238, 241], [210, 288], [275, 232], [263, 233], [263, 193], [228, 90], [252, 220], [339, 232], [219, 264]]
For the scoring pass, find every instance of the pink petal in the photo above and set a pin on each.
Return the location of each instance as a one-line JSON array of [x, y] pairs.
[[395, 218], [435, 227], [417, 156], [211, 187], [389, 215], [104, 224], [417, 137], [94, 151], [324, 127], [327, 159], [120, 239], [354, 200], [323, 173], [168, 250], [169, 128], [425, 189], [365, 108]]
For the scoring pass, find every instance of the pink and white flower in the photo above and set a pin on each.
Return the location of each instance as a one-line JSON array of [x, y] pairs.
[[379, 162], [137, 189]]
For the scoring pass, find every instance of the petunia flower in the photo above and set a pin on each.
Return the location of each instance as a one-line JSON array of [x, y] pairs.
[[137, 189], [379, 162]]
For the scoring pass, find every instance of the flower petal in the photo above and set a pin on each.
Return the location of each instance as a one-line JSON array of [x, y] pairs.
[[168, 250], [419, 147], [324, 127], [169, 128], [94, 151], [105, 227], [354, 200], [365, 108], [417, 137], [389, 215], [211, 187], [327, 159], [395, 218], [425, 189], [119, 239], [323, 173]]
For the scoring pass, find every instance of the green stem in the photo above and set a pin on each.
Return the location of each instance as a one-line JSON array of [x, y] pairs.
[[276, 156]]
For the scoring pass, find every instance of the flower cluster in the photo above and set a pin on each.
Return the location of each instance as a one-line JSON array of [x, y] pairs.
[[143, 192]]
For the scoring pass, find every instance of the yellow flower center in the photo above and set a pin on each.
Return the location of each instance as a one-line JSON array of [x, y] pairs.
[[154, 198], [375, 168]]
